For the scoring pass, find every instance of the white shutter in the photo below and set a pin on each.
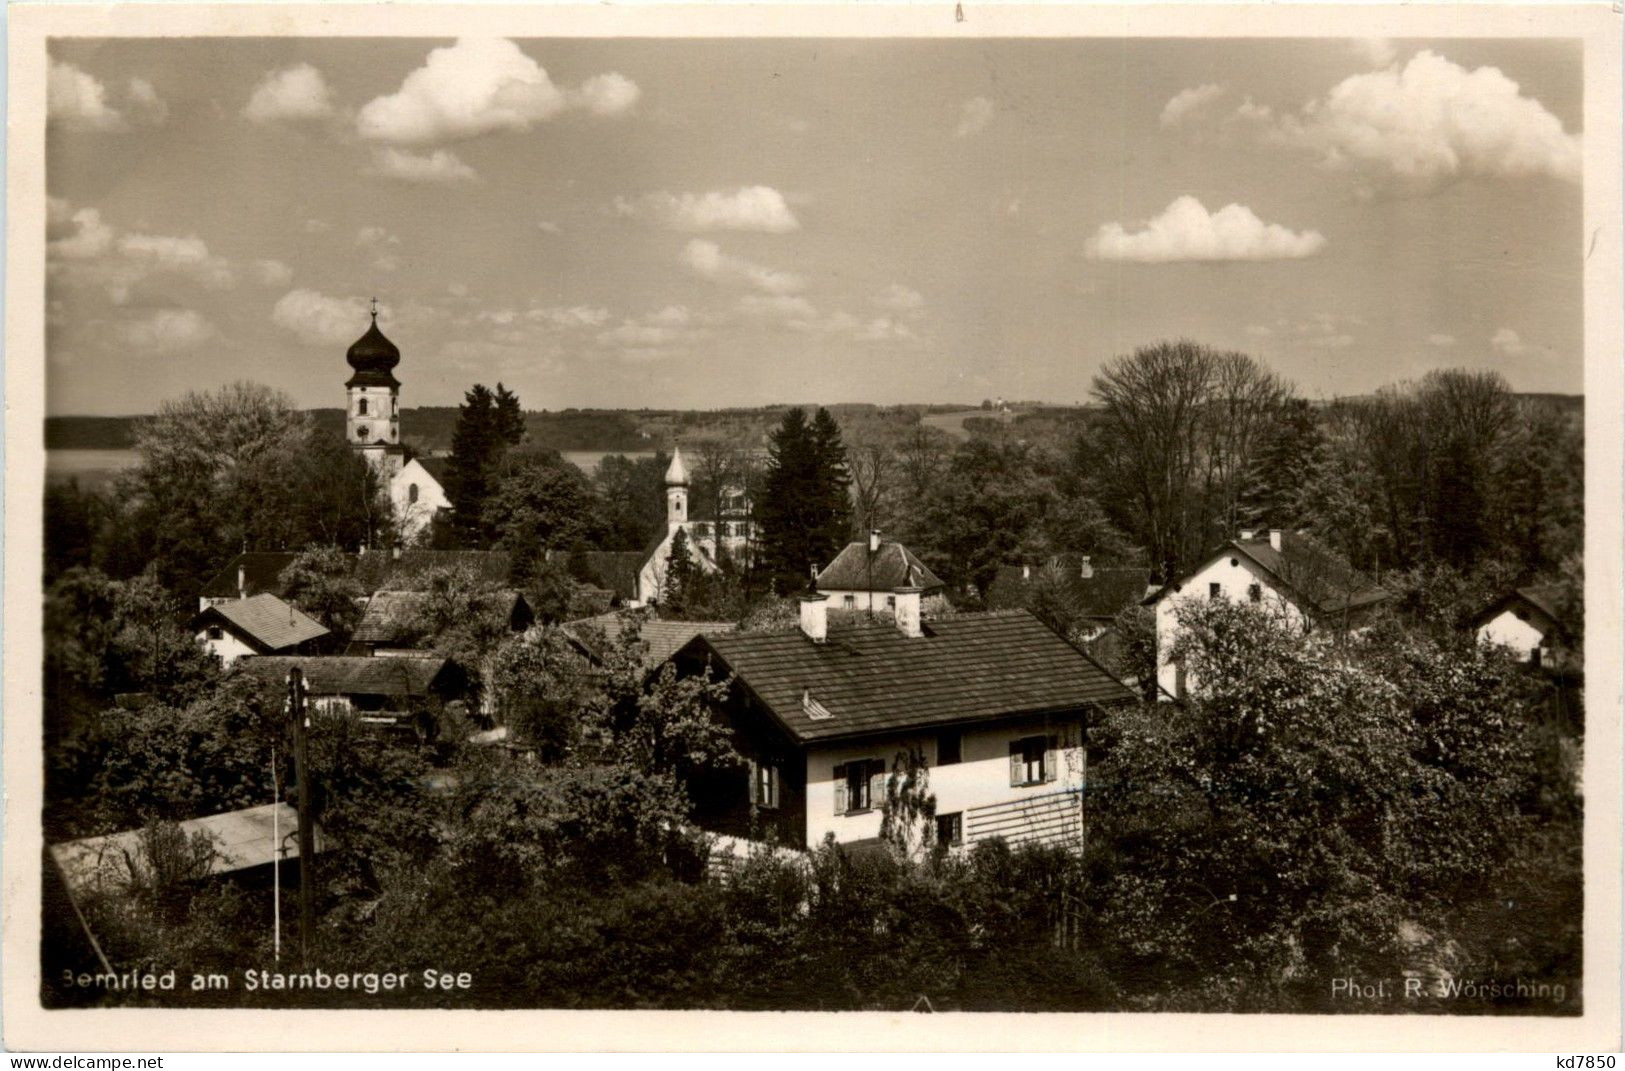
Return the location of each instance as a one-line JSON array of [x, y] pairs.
[[840, 789], [877, 782], [1015, 764]]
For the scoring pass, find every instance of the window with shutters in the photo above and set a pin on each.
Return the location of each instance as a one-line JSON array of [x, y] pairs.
[[767, 786], [1032, 761], [858, 784]]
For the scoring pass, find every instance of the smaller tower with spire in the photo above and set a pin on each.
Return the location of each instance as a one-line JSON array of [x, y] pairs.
[[372, 418], [676, 491]]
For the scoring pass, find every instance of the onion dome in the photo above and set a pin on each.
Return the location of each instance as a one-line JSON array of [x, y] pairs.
[[373, 356], [676, 472]]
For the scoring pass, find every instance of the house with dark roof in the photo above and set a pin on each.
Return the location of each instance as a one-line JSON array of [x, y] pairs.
[[259, 624], [389, 625], [1098, 593], [865, 574], [256, 571], [249, 573], [381, 691], [1527, 620], [1290, 572], [593, 636], [995, 704]]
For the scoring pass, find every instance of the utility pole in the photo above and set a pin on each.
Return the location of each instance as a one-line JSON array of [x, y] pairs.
[[307, 838]]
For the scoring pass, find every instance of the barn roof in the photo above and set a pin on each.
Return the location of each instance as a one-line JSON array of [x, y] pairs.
[[870, 678], [271, 623], [352, 674], [893, 566]]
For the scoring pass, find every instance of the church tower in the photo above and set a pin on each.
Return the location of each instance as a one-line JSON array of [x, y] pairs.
[[676, 491], [372, 418]]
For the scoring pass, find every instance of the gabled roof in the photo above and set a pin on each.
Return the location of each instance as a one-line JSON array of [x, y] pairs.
[[378, 569], [1544, 597], [893, 566], [1105, 593], [436, 467], [353, 674], [389, 615], [1318, 577], [663, 638], [260, 571], [270, 623], [871, 679]]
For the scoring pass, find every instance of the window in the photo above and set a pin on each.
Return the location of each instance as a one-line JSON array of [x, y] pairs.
[[1031, 761], [361, 432], [857, 784], [1255, 592], [850, 602], [951, 829], [948, 748], [216, 633], [411, 492], [361, 407], [1213, 590], [767, 786], [891, 602]]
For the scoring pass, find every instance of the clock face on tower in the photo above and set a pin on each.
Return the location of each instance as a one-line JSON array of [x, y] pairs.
[[361, 432]]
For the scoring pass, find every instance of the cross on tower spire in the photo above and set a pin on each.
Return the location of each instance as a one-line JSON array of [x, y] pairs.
[[374, 310]]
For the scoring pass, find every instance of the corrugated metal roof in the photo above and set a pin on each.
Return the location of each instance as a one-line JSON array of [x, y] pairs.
[[872, 678], [267, 620], [351, 674], [894, 566]]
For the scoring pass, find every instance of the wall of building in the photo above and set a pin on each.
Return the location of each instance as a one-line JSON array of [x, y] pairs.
[[228, 648], [414, 517], [980, 779], [1522, 635], [1234, 573], [381, 421]]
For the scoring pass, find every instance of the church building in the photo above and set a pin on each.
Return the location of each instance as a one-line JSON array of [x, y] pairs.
[[373, 429], [730, 533]]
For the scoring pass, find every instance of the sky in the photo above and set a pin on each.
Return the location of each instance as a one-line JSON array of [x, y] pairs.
[[702, 223]]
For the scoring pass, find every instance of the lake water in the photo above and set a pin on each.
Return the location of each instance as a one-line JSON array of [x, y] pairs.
[[96, 467]]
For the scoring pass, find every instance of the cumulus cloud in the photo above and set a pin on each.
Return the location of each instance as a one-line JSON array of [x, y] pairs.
[[188, 256], [1188, 102], [1186, 231], [1374, 51], [372, 235], [440, 166], [1430, 121], [568, 316], [1443, 341], [167, 330], [77, 99], [480, 85], [76, 235], [1508, 343], [272, 273], [748, 208], [974, 117], [293, 93], [320, 319], [707, 259], [902, 298], [145, 100]]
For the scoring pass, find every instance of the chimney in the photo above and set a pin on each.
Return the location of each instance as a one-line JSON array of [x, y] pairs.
[[874, 540], [1246, 534], [1086, 570], [908, 610], [1026, 572], [814, 618], [1275, 538], [242, 581]]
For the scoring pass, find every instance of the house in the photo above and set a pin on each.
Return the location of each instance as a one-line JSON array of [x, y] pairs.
[[381, 691], [661, 639], [256, 571], [864, 575], [249, 573], [1290, 572], [996, 705], [710, 538], [1526, 620], [417, 494], [389, 624], [258, 624], [1099, 593]]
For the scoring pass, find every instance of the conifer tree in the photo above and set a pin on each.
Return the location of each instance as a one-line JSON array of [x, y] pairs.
[[805, 513], [488, 425]]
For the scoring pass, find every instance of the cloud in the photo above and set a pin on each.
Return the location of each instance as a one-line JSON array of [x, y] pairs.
[[167, 330], [749, 208], [77, 99], [1186, 231], [571, 316], [1432, 121], [777, 306], [319, 319], [76, 235], [189, 256], [1441, 340], [477, 86], [372, 235], [1188, 102], [440, 166], [902, 298], [708, 260], [1374, 51], [272, 273], [293, 93], [974, 117], [146, 100], [1507, 343]]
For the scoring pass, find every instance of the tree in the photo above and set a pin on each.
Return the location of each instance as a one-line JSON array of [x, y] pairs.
[[681, 572], [321, 582], [539, 687], [804, 509], [541, 503], [908, 813], [833, 481], [986, 510], [630, 500], [488, 425]]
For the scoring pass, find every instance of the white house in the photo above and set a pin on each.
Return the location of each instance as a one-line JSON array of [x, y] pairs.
[[1288, 572], [864, 575], [256, 625], [1525, 620], [995, 704]]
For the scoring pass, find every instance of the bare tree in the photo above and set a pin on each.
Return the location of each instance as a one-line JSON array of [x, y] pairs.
[[874, 468]]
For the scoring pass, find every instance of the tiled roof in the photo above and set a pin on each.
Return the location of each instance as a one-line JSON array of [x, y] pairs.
[[260, 571], [664, 638], [1315, 572], [1546, 598], [436, 467], [894, 566], [351, 674], [379, 569], [271, 623], [1104, 594], [389, 615], [873, 679]]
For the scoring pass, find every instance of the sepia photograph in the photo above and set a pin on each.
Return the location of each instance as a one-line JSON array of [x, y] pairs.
[[883, 522]]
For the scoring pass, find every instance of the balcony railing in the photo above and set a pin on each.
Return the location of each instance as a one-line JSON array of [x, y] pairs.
[[1051, 818]]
